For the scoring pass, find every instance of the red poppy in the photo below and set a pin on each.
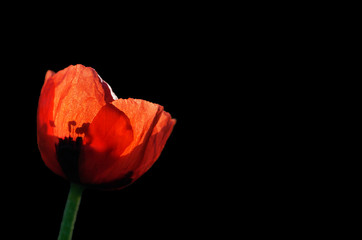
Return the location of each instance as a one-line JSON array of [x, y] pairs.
[[89, 136]]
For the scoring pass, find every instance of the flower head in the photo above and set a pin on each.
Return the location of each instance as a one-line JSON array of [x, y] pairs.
[[89, 136]]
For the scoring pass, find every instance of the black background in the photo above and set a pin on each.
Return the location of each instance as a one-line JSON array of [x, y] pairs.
[[215, 175], [178, 196]]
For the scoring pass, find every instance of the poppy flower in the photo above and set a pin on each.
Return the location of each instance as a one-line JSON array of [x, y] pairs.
[[90, 137]]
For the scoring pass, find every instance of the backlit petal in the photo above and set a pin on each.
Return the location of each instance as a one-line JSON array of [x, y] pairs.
[[45, 125], [156, 143], [69, 100], [107, 137], [49, 74], [151, 128], [79, 95]]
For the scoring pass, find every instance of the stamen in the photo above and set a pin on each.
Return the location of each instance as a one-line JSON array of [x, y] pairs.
[[68, 150], [83, 129], [70, 124]]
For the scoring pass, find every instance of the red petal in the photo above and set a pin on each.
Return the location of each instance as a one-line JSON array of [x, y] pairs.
[[151, 128], [49, 74], [45, 125], [70, 98], [79, 95], [108, 136], [156, 143]]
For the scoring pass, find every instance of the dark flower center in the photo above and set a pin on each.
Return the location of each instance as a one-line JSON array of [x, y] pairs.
[[68, 150]]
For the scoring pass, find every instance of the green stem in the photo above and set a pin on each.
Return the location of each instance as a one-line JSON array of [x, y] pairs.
[[70, 212]]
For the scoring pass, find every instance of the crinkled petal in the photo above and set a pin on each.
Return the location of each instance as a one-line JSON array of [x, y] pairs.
[[69, 100], [151, 127]]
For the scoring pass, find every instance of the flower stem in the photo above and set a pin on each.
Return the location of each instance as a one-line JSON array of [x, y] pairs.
[[70, 212]]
